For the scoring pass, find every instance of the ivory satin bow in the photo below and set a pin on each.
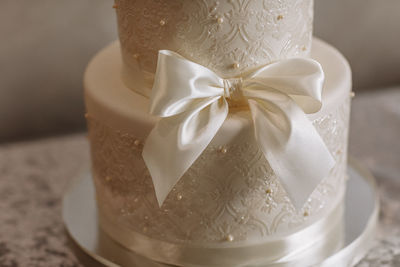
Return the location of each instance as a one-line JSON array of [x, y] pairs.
[[192, 102]]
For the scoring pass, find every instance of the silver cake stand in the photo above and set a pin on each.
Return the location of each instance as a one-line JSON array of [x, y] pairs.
[[80, 218]]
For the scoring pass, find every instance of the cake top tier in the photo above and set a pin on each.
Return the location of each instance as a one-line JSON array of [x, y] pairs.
[[228, 36]]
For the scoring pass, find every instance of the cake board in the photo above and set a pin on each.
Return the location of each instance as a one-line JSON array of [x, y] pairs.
[[80, 218]]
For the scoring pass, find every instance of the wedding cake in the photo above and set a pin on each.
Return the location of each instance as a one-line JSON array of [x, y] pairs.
[[218, 133]]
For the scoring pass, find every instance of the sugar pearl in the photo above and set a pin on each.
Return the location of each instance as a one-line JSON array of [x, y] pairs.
[[163, 22], [230, 238], [236, 65], [220, 20], [222, 150], [179, 197], [136, 142]]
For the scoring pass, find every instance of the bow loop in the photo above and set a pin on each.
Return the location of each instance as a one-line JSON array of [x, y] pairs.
[[177, 88], [301, 79], [193, 103]]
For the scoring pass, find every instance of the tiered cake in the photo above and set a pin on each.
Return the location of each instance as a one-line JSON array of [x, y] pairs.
[[230, 208]]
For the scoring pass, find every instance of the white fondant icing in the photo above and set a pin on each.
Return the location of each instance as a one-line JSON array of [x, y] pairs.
[[223, 193]]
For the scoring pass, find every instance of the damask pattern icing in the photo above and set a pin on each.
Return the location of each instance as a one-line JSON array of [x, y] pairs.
[[227, 36], [230, 193]]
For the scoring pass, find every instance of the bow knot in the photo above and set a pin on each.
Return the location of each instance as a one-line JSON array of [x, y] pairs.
[[193, 103], [232, 88]]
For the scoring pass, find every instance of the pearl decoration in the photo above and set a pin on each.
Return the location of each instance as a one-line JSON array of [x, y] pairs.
[[136, 142], [236, 65], [179, 197], [352, 94], [135, 56], [162, 22], [268, 191], [220, 20], [229, 238], [222, 150]]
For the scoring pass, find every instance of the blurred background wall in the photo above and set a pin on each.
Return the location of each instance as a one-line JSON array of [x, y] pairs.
[[46, 44], [367, 32]]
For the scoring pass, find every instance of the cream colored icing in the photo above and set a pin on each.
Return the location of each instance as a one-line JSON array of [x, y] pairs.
[[228, 37], [233, 194]]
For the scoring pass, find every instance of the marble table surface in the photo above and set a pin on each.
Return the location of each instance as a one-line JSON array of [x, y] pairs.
[[34, 175]]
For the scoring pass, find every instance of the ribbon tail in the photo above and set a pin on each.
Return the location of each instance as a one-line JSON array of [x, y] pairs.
[[292, 146], [176, 142]]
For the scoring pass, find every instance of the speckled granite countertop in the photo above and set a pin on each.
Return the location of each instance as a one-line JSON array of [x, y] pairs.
[[33, 176]]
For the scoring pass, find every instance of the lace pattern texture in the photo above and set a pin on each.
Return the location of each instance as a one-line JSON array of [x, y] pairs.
[[229, 194], [227, 36]]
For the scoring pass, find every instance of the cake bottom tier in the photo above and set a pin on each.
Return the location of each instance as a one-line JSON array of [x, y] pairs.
[[307, 247], [230, 197]]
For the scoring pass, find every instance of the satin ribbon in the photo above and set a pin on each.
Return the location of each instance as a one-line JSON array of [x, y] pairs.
[[193, 103]]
